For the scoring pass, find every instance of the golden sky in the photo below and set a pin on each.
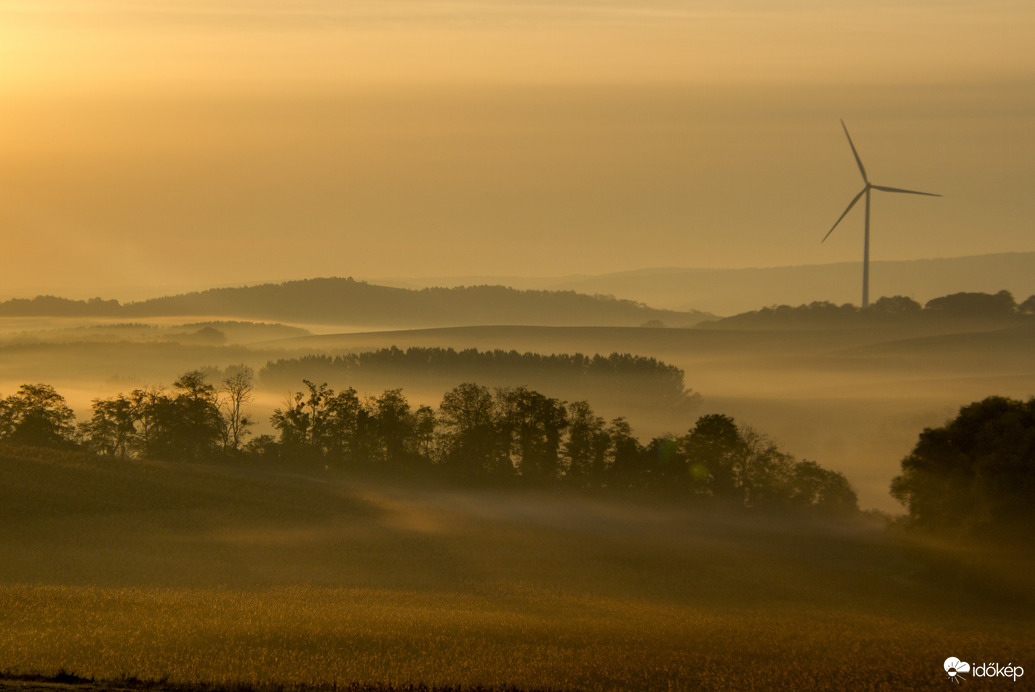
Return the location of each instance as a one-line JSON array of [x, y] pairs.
[[195, 143]]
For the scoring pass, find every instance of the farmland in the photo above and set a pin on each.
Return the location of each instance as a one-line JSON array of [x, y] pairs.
[[221, 574]]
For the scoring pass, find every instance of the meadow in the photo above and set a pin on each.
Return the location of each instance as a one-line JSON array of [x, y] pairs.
[[275, 576], [191, 573], [530, 639]]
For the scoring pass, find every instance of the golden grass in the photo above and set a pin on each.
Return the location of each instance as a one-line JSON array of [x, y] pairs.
[[267, 576], [526, 637]]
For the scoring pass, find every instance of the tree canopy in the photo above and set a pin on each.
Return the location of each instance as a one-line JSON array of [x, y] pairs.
[[976, 474], [37, 416]]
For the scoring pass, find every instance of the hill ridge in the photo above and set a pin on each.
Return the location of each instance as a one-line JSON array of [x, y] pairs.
[[337, 300]]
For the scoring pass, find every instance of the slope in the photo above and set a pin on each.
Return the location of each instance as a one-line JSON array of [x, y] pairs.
[[340, 301]]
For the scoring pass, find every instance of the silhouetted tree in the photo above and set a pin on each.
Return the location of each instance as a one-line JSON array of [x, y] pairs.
[[973, 305], [37, 416], [976, 473], [587, 445], [533, 423], [816, 313], [425, 424], [767, 479], [198, 425], [338, 433], [237, 387], [715, 448], [664, 464], [895, 306], [471, 440], [186, 426], [302, 422], [1028, 306], [814, 487], [264, 447], [625, 462], [112, 430], [145, 404], [743, 465], [394, 428]]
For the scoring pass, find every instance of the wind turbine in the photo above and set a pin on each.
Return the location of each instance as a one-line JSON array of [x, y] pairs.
[[866, 191]]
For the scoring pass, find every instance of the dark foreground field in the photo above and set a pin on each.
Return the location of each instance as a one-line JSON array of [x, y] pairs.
[[231, 576], [70, 682]]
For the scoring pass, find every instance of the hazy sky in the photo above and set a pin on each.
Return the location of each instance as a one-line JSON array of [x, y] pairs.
[[204, 142]]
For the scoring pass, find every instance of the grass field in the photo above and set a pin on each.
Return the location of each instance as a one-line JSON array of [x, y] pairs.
[[528, 638], [264, 576]]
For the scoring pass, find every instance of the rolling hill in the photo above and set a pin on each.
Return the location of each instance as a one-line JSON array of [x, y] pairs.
[[142, 570], [345, 301]]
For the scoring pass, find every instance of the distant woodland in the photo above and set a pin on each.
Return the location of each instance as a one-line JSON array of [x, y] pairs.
[[638, 380], [346, 301], [957, 306]]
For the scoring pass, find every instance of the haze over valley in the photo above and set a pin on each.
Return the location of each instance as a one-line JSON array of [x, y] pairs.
[[491, 345], [850, 390], [727, 291]]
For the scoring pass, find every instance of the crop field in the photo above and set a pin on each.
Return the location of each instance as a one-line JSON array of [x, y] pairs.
[[529, 639], [191, 573]]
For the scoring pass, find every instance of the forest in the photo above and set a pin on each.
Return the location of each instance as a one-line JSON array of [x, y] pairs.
[[640, 380]]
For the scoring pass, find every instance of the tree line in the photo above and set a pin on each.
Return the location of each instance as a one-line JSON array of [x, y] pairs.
[[647, 377], [972, 477], [193, 421], [969, 306], [515, 436]]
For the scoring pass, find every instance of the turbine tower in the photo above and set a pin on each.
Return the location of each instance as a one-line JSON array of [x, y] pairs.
[[866, 236]]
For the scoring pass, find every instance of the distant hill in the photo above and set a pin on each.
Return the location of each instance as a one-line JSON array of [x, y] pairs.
[[349, 302], [731, 291], [974, 309]]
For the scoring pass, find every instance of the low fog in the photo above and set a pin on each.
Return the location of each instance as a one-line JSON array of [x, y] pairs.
[[853, 400], [419, 575], [200, 572]]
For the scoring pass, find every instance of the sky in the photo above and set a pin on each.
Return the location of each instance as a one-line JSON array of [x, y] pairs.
[[147, 146]]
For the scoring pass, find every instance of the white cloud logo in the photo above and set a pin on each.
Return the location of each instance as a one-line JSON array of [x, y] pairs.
[[954, 666]]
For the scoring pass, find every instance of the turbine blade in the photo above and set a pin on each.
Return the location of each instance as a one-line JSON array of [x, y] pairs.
[[855, 153], [845, 212], [908, 192]]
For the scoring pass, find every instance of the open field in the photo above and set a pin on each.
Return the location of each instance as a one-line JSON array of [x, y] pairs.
[[632, 410], [313, 635], [220, 574]]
